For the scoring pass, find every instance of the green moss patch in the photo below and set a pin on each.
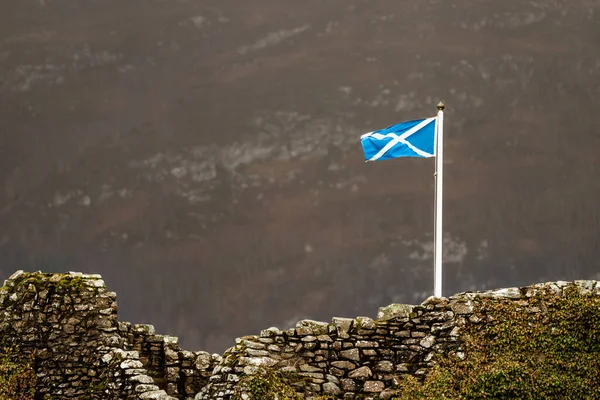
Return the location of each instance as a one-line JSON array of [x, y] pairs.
[[267, 384], [59, 283], [17, 375], [542, 348]]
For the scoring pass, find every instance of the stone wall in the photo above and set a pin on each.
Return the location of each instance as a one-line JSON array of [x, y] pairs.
[[69, 324], [363, 358], [179, 372]]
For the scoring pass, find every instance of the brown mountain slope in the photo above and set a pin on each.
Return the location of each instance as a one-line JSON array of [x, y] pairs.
[[204, 156]]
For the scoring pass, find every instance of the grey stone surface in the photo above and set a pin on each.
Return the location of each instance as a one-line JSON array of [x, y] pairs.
[[331, 388], [373, 387], [352, 354], [462, 307], [394, 311], [361, 373], [309, 327]]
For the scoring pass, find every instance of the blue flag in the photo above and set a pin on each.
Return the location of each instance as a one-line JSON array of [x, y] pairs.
[[407, 139]]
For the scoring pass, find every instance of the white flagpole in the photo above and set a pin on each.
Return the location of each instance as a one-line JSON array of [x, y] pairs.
[[439, 176]]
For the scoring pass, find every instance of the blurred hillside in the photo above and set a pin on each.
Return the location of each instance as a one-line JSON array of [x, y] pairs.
[[203, 156]]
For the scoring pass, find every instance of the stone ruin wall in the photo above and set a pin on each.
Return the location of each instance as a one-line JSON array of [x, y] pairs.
[[362, 358], [69, 321]]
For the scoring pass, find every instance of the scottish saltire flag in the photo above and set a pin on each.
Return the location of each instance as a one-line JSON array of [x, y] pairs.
[[407, 139]]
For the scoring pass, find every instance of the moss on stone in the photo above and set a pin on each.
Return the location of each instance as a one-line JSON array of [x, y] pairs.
[[394, 311], [267, 384], [17, 376], [547, 346], [75, 283], [40, 281]]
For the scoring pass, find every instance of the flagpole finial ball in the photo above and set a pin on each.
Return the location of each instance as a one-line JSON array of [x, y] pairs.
[[441, 106]]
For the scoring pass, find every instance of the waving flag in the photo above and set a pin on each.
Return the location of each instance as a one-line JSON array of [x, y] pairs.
[[407, 139], [419, 138]]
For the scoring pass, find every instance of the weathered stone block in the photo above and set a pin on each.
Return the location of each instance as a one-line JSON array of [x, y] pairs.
[[343, 364], [361, 373], [385, 366], [373, 386], [310, 327], [365, 323], [348, 385], [351, 354], [394, 311], [332, 389]]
